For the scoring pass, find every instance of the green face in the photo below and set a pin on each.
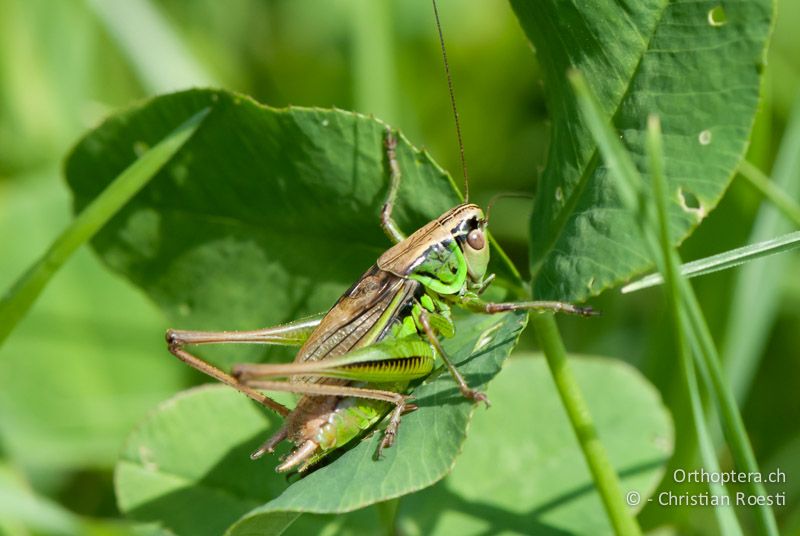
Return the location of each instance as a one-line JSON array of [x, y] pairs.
[[471, 238]]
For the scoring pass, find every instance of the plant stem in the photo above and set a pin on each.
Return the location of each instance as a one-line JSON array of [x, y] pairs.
[[605, 477], [387, 513], [23, 293]]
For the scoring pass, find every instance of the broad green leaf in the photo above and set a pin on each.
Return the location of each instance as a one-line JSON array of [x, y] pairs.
[[686, 307], [265, 215], [194, 451], [518, 472], [187, 465], [522, 471], [695, 64]]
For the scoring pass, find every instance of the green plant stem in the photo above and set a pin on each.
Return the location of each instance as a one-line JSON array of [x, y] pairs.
[[788, 206], [23, 293], [387, 513], [603, 473]]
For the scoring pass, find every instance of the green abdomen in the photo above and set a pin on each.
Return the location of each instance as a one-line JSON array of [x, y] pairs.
[[353, 416]]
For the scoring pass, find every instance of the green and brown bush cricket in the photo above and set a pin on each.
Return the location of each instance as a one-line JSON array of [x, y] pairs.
[[356, 361]]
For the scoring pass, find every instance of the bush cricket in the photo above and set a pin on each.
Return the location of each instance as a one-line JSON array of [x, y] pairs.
[[356, 361]]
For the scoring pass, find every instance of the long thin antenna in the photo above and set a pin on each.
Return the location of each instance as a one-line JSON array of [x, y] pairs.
[[452, 102]]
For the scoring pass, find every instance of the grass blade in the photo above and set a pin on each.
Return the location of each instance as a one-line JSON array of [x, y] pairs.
[[754, 306], [630, 192], [723, 261], [22, 294], [732, 422], [771, 190], [670, 266], [606, 479]]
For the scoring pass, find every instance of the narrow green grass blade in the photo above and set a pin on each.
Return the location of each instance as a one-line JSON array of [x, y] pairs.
[[669, 264], [723, 261], [622, 166], [19, 298], [754, 306], [629, 186], [770, 189], [733, 425], [778, 192]]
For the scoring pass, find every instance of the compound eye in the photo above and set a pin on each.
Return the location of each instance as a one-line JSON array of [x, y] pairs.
[[475, 239]]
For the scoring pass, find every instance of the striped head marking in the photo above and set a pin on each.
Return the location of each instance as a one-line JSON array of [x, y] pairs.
[[467, 225], [447, 254]]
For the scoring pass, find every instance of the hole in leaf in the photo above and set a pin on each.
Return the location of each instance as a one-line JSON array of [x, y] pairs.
[[717, 16], [691, 203], [690, 200]]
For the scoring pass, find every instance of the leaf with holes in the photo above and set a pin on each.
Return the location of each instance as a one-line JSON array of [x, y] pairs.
[[696, 64]]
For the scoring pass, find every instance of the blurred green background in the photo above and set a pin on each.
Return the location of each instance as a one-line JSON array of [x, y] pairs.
[[89, 360]]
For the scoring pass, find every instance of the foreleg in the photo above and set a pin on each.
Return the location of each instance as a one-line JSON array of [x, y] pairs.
[[387, 223]]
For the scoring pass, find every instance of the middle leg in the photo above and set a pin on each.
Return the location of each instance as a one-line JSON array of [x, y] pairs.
[[480, 306], [465, 389]]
